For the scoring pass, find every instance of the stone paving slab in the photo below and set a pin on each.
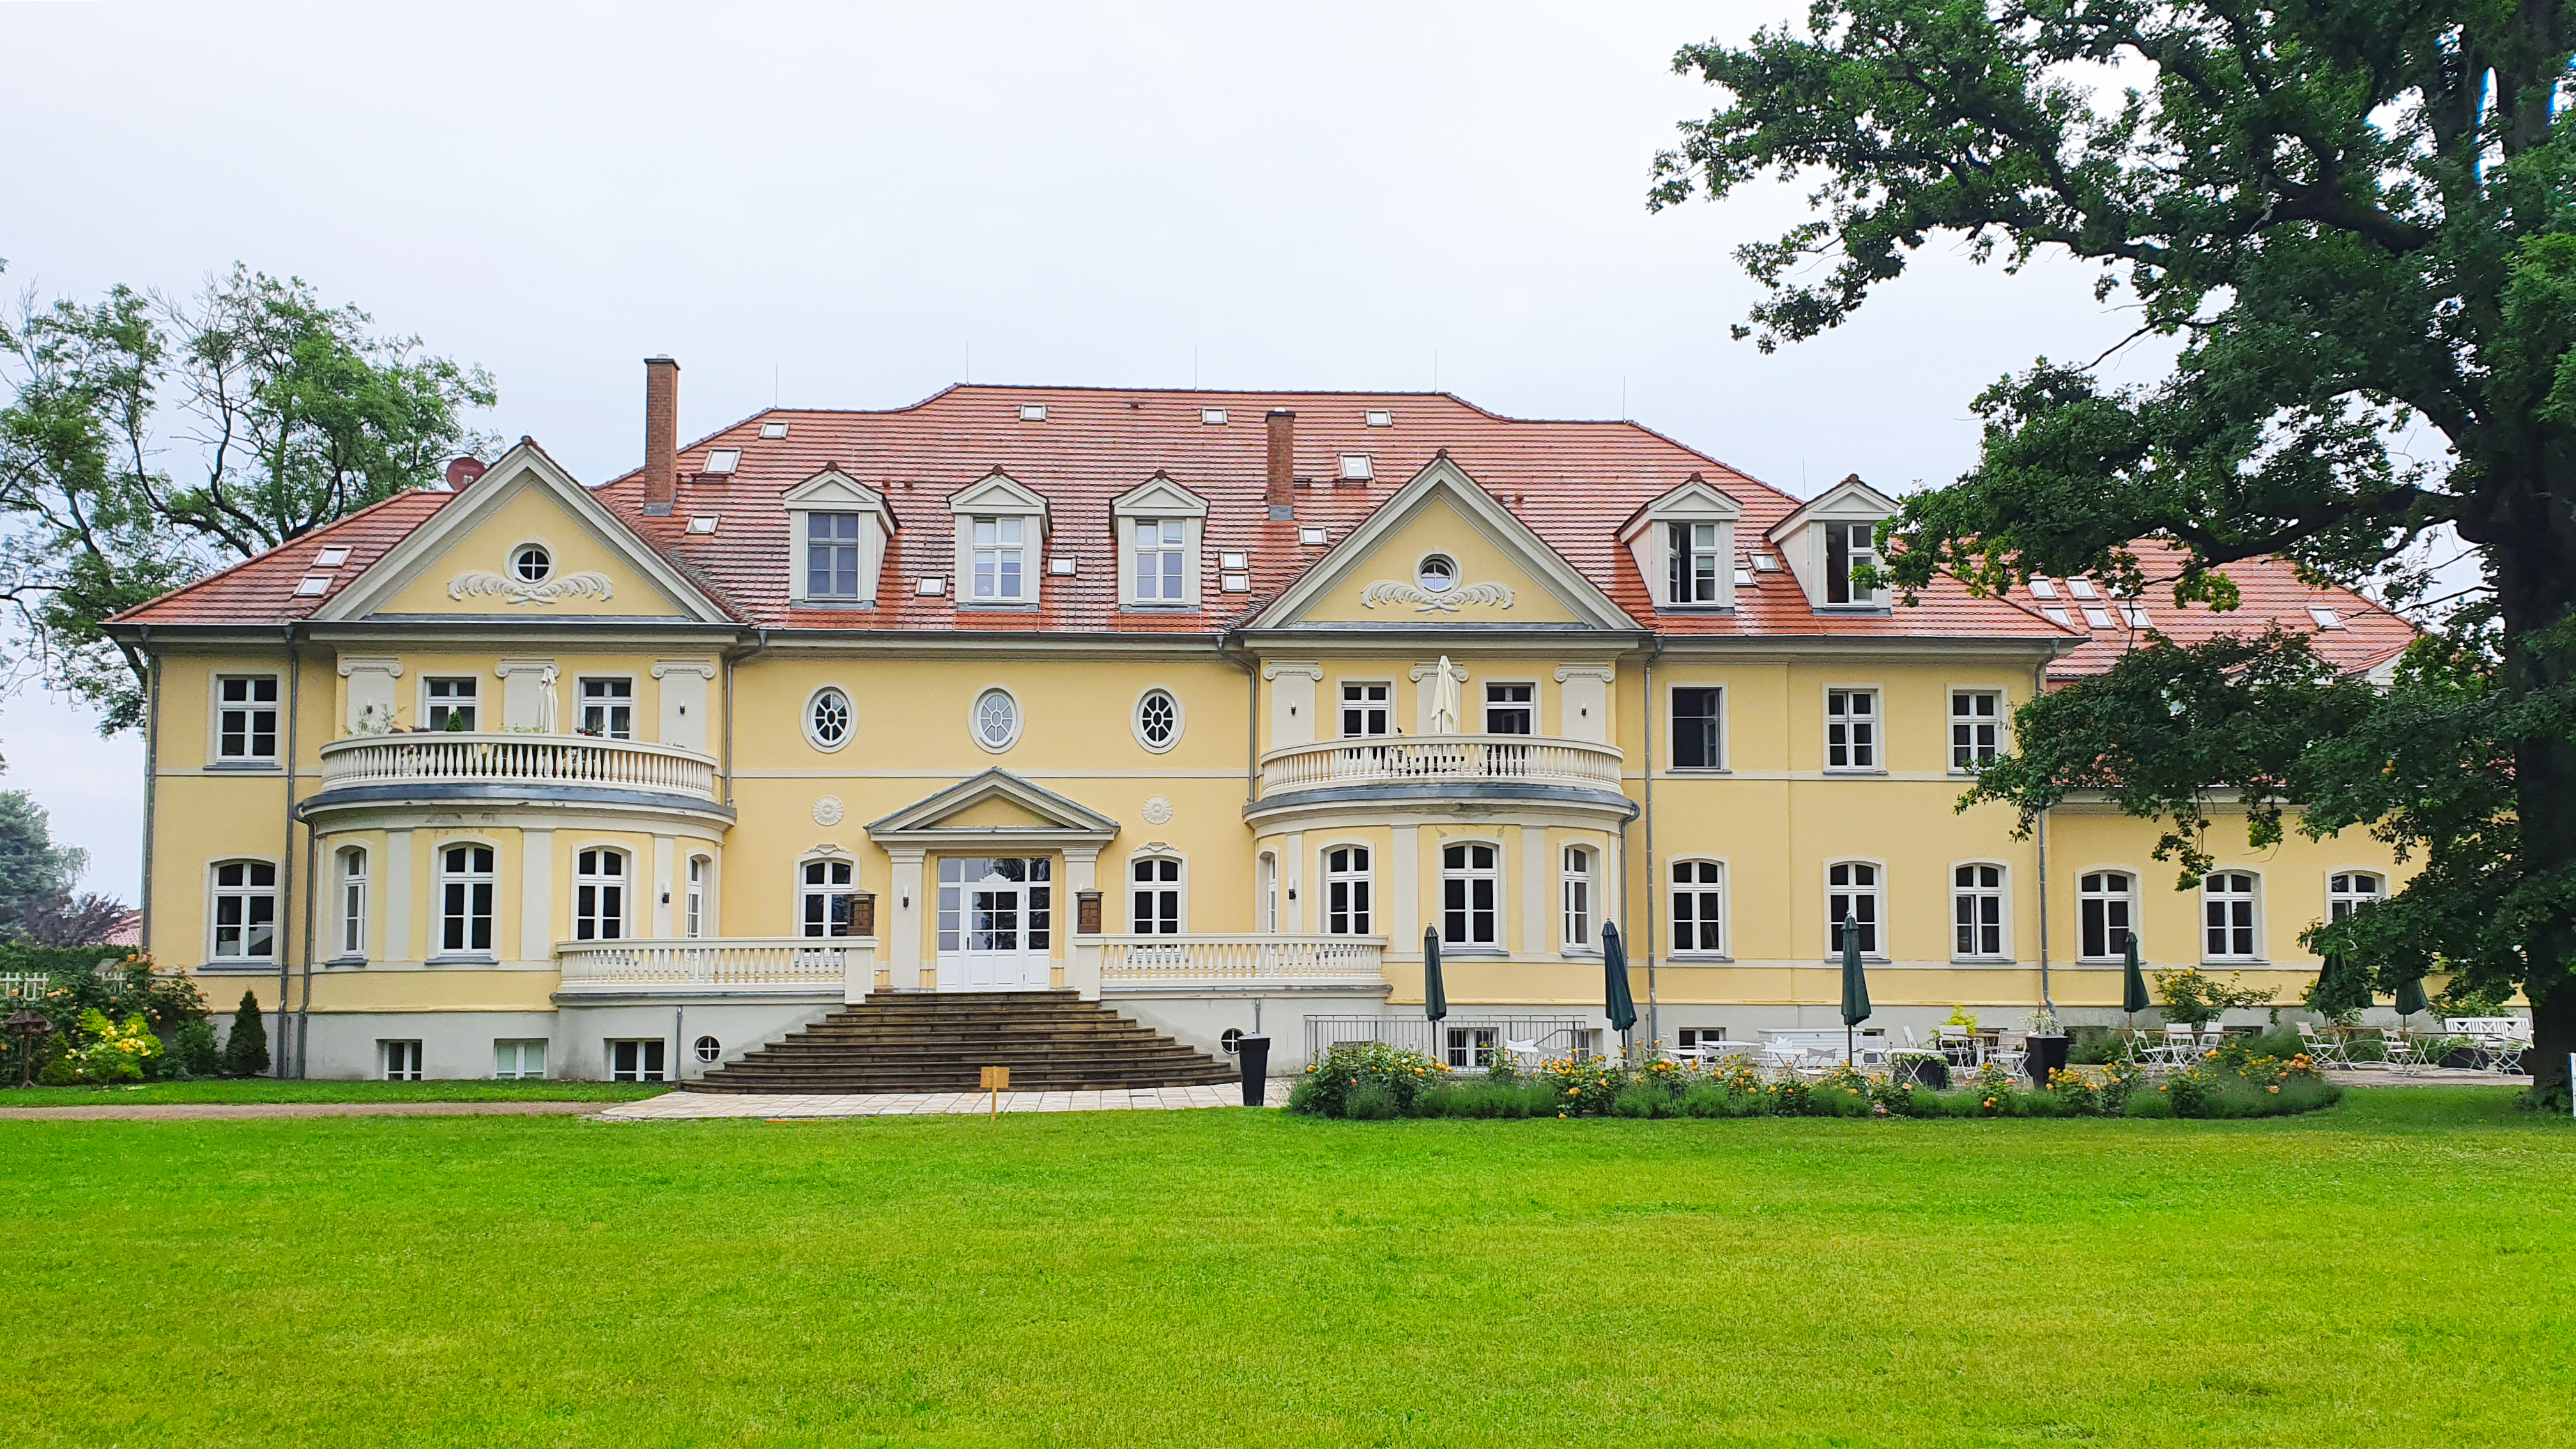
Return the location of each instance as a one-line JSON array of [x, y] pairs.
[[685, 1106], [2373, 1076], [186, 1111]]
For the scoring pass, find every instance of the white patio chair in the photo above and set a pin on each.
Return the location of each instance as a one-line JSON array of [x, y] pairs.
[[2180, 1045], [1523, 1049], [1960, 1049], [2009, 1053], [1784, 1056], [2502, 1054], [2322, 1049], [2400, 1052]]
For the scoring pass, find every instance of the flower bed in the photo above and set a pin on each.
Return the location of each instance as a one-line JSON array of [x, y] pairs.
[[1375, 1082]]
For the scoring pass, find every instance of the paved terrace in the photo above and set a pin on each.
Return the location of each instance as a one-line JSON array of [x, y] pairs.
[[782, 1106]]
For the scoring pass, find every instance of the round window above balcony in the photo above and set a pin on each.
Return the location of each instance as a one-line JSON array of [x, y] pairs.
[[531, 563], [827, 718], [1437, 573]]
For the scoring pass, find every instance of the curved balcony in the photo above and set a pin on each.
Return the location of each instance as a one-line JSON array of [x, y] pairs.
[[1441, 767], [506, 768]]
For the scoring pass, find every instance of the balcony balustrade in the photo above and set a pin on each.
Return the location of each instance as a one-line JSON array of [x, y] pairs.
[[1429, 759], [1247, 960], [432, 761], [791, 964]]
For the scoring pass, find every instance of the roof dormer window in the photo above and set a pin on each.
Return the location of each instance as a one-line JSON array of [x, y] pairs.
[[1684, 547], [1831, 540], [1159, 530], [1691, 550], [1000, 571], [1848, 546], [838, 529]]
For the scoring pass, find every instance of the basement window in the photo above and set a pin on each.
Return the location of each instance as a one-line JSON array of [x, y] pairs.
[[723, 460], [1213, 417], [773, 430], [1033, 412]]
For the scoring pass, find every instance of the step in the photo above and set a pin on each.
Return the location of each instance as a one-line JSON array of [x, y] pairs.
[[921, 1041]]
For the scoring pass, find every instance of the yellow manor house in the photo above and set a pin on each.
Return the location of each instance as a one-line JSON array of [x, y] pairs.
[[1141, 719]]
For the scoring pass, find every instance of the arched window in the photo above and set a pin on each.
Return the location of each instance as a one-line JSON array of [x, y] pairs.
[[245, 915], [1346, 891], [826, 896], [693, 916], [2349, 890], [1577, 887], [353, 901], [1699, 908], [1154, 895], [1977, 911], [465, 898], [1158, 720], [827, 718], [2227, 900], [2106, 913], [1470, 895], [599, 895], [1854, 888]]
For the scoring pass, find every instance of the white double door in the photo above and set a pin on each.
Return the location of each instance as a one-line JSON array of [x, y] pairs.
[[996, 922]]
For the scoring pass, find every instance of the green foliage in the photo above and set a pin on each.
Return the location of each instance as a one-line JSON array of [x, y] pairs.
[[2190, 995], [1332, 1085], [195, 1050], [246, 1051], [33, 870], [78, 981]]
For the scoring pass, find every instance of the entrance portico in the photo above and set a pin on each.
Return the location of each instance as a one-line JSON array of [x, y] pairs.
[[983, 875]]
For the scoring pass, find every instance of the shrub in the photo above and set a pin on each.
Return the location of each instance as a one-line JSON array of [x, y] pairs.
[[194, 1050], [2075, 1093], [1585, 1087], [1369, 1102], [246, 1055], [2148, 1104], [2190, 996], [1332, 1081]]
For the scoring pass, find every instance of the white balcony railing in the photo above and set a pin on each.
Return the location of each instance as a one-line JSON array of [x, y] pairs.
[[782, 964], [1519, 759], [1252, 959], [471, 759]]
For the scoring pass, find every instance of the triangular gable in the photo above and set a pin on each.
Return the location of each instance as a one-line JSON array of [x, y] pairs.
[[996, 492], [1695, 500], [1851, 499], [994, 807], [1159, 497], [457, 562], [834, 489], [1363, 569]]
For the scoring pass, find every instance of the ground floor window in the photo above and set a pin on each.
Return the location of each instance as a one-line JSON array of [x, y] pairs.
[[245, 911], [825, 898], [402, 1060], [1699, 907], [1469, 887], [1346, 891], [636, 1061], [1691, 1037], [709, 1050], [514, 1060], [1852, 892], [2107, 902], [1470, 1047], [997, 904], [1155, 905]]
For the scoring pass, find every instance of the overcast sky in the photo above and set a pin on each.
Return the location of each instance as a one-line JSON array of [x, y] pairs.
[[840, 205]]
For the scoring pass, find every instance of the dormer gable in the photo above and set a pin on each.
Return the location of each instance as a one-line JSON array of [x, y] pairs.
[[1157, 531], [1001, 542], [838, 529], [1684, 546], [1831, 534]]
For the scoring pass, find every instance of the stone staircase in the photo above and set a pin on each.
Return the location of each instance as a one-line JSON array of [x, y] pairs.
[[920, 1041]]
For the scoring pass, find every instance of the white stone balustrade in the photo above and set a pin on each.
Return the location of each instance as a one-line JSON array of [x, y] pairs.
[[844, 964], [1412, 759], [515, 759], [1244, 959]]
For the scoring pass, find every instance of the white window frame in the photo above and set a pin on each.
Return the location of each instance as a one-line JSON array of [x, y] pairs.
[[1168, 913], [974, 721], [1356, 904], [1528, 706], [1265, 885], [607, 704], [1839, 731], [441, 877], [2251, 898], [849, 719], [856, 543], [1875, 932], [1990, 908], [247, 922], [1701, 890], [352, 902], [1855, 555], [697, 896], [1972, 722], [1384, 708], [594, 887], [644, 1046], [400, 1061], [2106, 897], [1166, 583], [432, 703], [1026, 546], [251, 707], [1696, 563], [1495, 912], [2342, 903], [1673, 730], [813, 904], [1136, 718], [517, 1050], [834, 492], [1579, 899]]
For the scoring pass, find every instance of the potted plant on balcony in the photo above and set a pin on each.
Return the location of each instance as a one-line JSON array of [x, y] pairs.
[[2046, 1046]]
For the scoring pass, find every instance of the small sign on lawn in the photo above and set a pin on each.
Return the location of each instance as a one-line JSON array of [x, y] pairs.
[[996, 1080]]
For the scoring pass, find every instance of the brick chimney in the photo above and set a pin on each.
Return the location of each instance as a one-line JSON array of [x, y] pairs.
[[1282, 491], [661, 435]]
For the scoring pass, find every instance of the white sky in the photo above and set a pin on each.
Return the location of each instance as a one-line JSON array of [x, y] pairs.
[[837, 202]]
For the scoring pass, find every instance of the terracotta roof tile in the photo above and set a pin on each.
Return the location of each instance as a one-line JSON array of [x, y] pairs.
[[263, 590]]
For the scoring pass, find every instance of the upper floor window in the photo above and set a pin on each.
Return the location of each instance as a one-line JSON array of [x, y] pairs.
[[1848, 546], [1699, 907], [827, 718], [1154, 900], [465, 898], [1853, 891], [1695, 728], [1158, 719], [1346, 891], [353, 902], [1364, 710], [1851, 729], [246, 717], [245, 915], [1510, 709], [1162, 559], [1977, 910], [831, 555], [608, 708], [1578, 892], [2227, 901], [2349, 890], [2106, 912], [826, 897], [693, 911], [451, 703], [599, 895], [1692, 548], [996, 719], [1976, 727], [1001, 559], [1470, 891]]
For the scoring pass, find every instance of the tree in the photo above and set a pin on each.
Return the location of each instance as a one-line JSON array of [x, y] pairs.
[[246, 1050], [147, 441], [75, 920], [34, 872], [2358, 218]]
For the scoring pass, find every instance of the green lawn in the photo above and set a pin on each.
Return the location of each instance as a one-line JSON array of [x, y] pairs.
[[2390, 1272], [268, 1089]]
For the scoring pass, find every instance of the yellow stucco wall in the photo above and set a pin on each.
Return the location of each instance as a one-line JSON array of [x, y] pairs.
[[531, 516]]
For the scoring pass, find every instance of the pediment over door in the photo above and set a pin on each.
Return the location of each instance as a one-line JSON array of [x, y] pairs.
[[995, 810]]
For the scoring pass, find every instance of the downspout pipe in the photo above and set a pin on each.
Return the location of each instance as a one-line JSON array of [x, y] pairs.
[[1654, 940], [2039, 682], [151, 776], [1229, 646], [286, 856]]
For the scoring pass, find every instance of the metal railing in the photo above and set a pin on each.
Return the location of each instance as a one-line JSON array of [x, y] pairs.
[[1556, 1036], [786, 964], [1299, 960], [1419, 758], [462, 759]]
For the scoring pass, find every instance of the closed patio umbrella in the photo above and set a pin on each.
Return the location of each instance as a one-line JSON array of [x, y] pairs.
[[1445, 705], [1435, 992], [2410, 996], [2133, 984], [1614, 972], [1855, 984]]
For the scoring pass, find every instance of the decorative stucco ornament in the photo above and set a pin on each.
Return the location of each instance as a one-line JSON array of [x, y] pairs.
[[519, 591], [827, 811], [1393, 591], [1158, 811]]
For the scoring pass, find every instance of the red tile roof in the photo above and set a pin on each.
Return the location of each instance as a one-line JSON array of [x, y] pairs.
[[2268, 591], [1572, 483]]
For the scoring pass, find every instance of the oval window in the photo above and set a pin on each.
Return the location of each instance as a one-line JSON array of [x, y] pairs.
[[1438, 574], [827, 719], [997, 719], [532, 563], [1158, 720]]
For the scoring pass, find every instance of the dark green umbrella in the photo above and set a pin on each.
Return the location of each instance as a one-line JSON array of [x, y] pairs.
[[1855, 984], [1614, 971], [2410, 996], [2133, 987], [1435, 993]]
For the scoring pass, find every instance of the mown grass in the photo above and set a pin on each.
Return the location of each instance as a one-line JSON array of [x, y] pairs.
[[2389, 1272], [269, 1089]]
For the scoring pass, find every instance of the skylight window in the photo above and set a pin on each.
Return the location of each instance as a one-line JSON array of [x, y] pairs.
[[1310, 537], [1061, 567], [1213, 417], [1356, 465], [934, 584], [1235, 583], [1033, 412], [1233, 560], [723, 460], [2136, 614], [331, 558], [2096, 617], [1744, 578], [2055, 614], [1766, 563], [2081, 588], [2326, 618], [773, 429], [2042, 589], [705, 522], [312, 585], [1380, 418]]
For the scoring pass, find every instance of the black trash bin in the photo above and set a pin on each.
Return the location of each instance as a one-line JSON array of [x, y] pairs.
[[2043, 1055], [1254, 1053]]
